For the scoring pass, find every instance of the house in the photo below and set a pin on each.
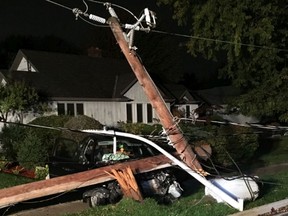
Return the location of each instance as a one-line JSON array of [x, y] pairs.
[[103, 88], [215, 101], [3, 80]]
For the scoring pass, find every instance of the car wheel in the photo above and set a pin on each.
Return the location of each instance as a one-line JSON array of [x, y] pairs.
[[99, 197]]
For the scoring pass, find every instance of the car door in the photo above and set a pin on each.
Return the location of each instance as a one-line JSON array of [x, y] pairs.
[[65, 158]]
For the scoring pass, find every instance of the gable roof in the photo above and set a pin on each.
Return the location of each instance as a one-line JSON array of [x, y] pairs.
[[60, 75], [178, 92], [218, 95], [3, 80]]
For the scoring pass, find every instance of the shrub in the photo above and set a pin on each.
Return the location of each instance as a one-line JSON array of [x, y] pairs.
[[32, 151], [15, 139], [80, 122], [228, 142], [48, 136], [239, 143], [11, 135], [140, 128]]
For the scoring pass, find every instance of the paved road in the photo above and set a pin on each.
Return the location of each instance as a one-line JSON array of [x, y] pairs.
[[55, 210]]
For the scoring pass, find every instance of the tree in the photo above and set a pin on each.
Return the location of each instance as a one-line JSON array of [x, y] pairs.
[[15, 98], [252, 37]]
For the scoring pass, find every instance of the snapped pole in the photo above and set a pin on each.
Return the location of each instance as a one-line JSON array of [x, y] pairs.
[[173, 131]]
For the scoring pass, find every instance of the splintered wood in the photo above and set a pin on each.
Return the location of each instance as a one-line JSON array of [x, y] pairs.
[[127, 182]]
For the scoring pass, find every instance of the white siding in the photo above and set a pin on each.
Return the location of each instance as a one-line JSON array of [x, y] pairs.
[[136, 93], [25, 65], [107, 113]]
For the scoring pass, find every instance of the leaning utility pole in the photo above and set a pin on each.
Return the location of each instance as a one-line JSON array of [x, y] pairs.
[[171, 128], [125, 42]]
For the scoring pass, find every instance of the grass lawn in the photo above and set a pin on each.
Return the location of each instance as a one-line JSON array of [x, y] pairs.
[[274, 188], [9, 180], [275, 152], [193, 202]]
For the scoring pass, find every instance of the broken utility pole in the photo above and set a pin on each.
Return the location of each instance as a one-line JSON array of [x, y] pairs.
[[173, 131]]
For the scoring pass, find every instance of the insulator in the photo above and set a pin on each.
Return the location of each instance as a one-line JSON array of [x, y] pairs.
[[97, 18], [131, 39], [129, 26], [112, 12]]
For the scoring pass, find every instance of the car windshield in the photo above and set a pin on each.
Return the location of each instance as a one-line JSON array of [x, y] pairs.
[[106, 148]]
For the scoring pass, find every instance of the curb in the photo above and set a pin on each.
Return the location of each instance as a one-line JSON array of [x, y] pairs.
[[264, 209]]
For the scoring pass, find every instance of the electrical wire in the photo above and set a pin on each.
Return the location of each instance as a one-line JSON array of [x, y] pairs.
[[250, 125], [86, 6], [60, 5], [245, 179], [219, 41], [176, 34], [118, 6]]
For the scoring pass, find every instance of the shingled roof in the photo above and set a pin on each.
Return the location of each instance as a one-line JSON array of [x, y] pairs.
[[74, 76]]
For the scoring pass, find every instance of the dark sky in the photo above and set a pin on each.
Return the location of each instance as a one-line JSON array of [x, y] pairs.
[[41, 18]]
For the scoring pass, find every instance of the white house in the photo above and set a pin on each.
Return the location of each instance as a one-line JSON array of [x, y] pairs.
[[103, 88]]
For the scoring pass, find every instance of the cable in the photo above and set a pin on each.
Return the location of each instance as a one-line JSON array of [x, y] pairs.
[[245, 179], [219, 41], [85, 6], [239, 124], [120, 7], [174, 34], [58, 4]]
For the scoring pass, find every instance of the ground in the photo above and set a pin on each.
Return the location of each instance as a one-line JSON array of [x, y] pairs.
[[78, 206]]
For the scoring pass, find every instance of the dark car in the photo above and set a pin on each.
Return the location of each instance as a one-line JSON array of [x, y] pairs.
[[102, 148]]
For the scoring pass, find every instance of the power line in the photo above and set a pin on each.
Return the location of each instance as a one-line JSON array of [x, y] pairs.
[[219, 41], [58, 4], [170, 33]]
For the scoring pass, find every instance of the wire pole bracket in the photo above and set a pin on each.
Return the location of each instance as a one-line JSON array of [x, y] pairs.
[[148, 16]]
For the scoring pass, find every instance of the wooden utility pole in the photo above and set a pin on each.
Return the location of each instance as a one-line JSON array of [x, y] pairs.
[[173, 131], [19, 193]]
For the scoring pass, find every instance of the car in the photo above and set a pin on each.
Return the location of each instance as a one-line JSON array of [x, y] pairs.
[[101, 148]]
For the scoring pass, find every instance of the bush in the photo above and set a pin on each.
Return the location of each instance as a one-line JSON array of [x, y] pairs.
[[239, 143], [46, 135], [140, 128], [15, 139], [11, 135], [80, 122], [32, 151]]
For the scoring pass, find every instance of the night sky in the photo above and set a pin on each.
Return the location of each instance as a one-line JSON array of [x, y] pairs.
[[41, 18]]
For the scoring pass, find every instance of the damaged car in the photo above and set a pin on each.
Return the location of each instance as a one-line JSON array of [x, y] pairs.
[[102, 148]]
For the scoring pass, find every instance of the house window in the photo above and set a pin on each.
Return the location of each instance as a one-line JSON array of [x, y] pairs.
[[187, 111], [149, 113], [79, 109], [139, 113], [129, 113], [70, 109], [61, 108]]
